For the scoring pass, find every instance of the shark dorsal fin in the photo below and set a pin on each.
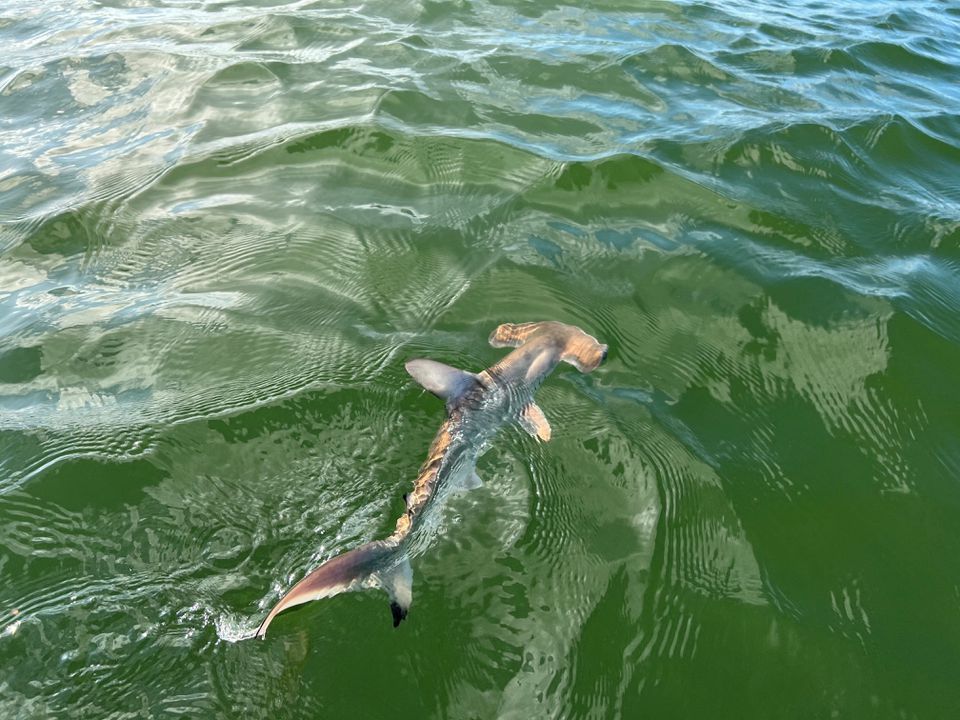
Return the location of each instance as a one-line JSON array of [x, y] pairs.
[[442, 380]]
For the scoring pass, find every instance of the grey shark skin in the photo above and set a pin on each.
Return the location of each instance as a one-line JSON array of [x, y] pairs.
[[478, 405]]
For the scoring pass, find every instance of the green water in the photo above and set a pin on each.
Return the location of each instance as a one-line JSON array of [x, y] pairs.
[[224, 227]]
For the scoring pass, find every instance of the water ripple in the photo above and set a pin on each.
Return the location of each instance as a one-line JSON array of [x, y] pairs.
[[224, 227]]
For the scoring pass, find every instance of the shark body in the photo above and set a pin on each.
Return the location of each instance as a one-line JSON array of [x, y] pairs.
[[478, 405]]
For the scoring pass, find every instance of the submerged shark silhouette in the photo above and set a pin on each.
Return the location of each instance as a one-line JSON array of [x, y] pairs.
[[478, 405]]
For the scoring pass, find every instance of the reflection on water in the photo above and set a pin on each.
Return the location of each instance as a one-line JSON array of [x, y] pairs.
[[224, 227]]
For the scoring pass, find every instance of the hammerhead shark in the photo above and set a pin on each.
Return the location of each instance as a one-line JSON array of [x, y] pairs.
[[478, 405]]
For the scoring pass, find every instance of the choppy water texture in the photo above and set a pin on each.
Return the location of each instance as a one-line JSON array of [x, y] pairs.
[[224, 227]]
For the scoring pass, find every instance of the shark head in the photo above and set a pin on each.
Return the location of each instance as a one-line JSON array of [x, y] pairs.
[[576, 347]]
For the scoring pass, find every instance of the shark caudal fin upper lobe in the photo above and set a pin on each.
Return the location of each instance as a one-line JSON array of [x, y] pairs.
[[377, 564]]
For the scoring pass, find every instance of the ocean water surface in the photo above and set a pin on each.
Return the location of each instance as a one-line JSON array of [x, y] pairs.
[[224, 226]]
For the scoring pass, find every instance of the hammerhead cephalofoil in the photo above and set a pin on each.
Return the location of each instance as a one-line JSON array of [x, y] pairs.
[[477, 407]]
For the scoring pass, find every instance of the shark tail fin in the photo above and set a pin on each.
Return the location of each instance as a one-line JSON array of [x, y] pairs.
[[372, 565]]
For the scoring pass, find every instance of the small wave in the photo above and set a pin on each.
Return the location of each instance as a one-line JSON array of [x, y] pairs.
[[224, 228]]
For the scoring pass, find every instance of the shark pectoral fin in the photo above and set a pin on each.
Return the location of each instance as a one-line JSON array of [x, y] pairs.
[[535, 422], [442, 380], [398, 582]]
